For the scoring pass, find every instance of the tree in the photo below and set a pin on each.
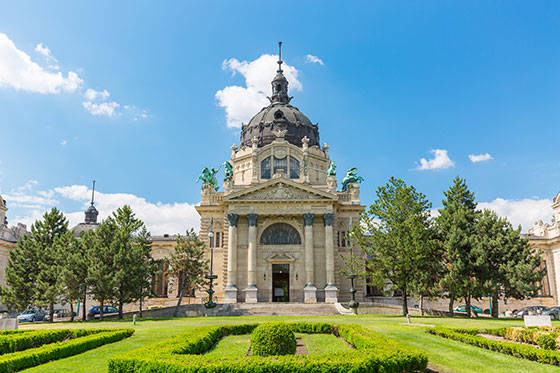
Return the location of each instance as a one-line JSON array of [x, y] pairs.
[[100, 261], [456, 232], [44, 251], [132, 257], [396, 235], [187, 264], [75, 271], [511, 264]]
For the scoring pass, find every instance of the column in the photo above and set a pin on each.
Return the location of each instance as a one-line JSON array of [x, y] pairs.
[[231, 289], [310, 291], [251, 290], [556, 259], [331, 291]]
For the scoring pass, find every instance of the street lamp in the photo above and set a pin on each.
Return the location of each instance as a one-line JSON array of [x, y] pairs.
[[211, 276], [353, 304]]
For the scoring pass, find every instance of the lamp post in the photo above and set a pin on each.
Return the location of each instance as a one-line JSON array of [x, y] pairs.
[[211, 276], [353, 304]]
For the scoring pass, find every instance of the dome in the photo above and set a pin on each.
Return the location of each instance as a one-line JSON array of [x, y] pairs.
[[279, 116]]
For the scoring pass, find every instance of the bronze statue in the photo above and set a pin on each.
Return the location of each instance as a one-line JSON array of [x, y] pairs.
[[208, 177], [351, 177]]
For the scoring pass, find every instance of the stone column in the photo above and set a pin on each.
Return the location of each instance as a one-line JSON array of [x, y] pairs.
[[231, 289], [310, 291], [251, 290], [556, 259], [331, 291]]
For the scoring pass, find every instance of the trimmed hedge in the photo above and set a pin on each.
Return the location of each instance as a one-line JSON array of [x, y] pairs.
[[273, 339], [84, 340], [511, 348], [372, 353]]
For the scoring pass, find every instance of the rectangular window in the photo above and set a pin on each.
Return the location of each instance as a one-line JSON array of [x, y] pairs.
[[294, 168], [342, 239], [545, 285], [265, 168], [280, 164], [159, 280]]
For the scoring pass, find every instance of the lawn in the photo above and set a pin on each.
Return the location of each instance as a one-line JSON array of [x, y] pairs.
[[444, 355], [232, 346]]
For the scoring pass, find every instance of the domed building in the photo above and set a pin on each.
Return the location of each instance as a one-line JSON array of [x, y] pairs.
[[280, 224]]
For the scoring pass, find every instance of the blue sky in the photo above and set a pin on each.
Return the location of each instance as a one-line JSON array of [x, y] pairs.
[[126, 93]]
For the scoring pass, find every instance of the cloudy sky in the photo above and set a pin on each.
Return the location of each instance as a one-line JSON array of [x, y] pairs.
[[140, 96]]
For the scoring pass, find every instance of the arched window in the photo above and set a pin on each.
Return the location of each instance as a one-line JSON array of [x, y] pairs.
[[294, 168], [280, 164], [280, 234], [265, 168]]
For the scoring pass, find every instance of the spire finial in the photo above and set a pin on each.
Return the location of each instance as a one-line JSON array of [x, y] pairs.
[[92, 192], [279, 56]]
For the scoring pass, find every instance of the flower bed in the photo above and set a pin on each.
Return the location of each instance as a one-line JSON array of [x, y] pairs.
[[184, 353], [516, 349], [34, 348]]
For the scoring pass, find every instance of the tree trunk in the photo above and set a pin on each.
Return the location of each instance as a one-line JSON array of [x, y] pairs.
[[468, 303], [422, 305], [120, 309], [495, 300], [51, 312], [71, 312], [101, 311], [140, 307], [84, 313], [451, 301], [404, 303], [176, 312]]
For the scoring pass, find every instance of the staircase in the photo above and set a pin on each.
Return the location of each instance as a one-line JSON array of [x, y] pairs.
[[279, 309]]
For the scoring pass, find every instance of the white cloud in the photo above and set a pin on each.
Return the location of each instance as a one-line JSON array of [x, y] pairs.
[[18, 71], [440, 161], [103, 108], [480, 157], [44, 51], [63, 142], [92, 94], [522, 211], [159, 217], [313, 59], [241, 103]]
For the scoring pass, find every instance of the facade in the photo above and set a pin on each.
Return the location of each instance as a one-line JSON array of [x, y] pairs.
[[280, 222], [547, 238]]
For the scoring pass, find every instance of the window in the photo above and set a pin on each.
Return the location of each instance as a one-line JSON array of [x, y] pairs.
[[294, 168], [216, 241], [544, 284], [341, 238], [189, 293], [280, 234], [159, 280], [280, 164], [265, 168]]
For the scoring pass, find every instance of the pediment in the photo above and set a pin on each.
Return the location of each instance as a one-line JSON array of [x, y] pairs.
[[280, 257], [280, 190]]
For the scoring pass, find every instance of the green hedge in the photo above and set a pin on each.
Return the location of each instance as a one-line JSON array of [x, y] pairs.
[[88, 339], [372, 353], [511, 348], [273, 339]]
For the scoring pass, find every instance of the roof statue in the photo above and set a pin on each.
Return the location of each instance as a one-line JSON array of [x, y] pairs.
[[279, 116], [228, 173], [331, 171], [208, 177], [351, 177]]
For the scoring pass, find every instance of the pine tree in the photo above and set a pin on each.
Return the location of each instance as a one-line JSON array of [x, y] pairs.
[[456, 231], [132, 257], [187, 264], [511, 267], [75, 271], [396, 235]]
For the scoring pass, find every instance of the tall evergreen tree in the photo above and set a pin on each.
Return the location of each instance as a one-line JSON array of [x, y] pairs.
[[132, 257], [188, 264], [511, 265], [396, 235], [456, 232], [75, 271]]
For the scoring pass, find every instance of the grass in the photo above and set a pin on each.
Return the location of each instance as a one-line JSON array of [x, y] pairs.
[[444, 355], [232, 346], [318, 344]]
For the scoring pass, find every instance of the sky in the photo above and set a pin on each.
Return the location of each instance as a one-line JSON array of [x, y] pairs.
[[141, 95]]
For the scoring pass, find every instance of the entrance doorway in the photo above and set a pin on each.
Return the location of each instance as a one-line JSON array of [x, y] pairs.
[[280, 282]]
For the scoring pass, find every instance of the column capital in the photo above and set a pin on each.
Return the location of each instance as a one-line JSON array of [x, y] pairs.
[[232, 219], [328, 218], [308, 218], [252, 219]]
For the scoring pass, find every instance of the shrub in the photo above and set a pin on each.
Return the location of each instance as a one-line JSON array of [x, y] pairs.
[[274, 338], [546, 341]]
